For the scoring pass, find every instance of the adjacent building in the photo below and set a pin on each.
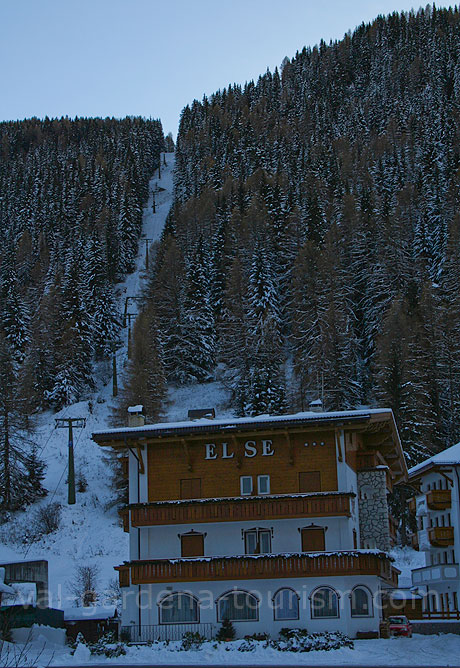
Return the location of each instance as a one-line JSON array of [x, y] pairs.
[[270, 522], [437, 509]]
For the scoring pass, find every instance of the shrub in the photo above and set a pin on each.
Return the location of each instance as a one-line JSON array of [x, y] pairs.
[[47, 519], [192, 640], [226, 631], [108, 646], [298, 640], [259, 636]]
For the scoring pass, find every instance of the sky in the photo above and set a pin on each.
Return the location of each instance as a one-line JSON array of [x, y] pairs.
[[152, 57]]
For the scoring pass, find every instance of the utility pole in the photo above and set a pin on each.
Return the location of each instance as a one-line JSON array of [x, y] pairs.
[[114, 372], [159, 167], [147, 253], [129, 316], [153, 202], [70, 424]]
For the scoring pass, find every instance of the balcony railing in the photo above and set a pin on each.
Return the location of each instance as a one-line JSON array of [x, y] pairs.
[[241, 509], [269, 566], [438, 499], [441, 536], [437, 573]]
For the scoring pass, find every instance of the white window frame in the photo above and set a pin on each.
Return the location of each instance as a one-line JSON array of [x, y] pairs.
[[178, 596], [259, 478], [370, 607], [243, 478], [255, 604], [277, 608]]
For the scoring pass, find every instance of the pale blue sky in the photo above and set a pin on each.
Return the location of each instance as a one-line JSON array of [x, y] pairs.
[[152, 57]]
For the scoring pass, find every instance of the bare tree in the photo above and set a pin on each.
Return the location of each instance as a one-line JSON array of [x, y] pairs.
[[83, 585]]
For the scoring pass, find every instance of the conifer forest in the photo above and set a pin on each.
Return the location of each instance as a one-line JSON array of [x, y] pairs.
[[313, 247], [71, 196], [312, 250]]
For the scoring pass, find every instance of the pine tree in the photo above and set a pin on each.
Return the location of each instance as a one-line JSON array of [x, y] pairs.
[[21, 472]]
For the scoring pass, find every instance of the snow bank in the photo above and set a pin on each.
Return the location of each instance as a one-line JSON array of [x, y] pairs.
[[40, 636]]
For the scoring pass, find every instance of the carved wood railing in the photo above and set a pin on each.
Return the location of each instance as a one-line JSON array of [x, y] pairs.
[[227, 510], [260, 567]]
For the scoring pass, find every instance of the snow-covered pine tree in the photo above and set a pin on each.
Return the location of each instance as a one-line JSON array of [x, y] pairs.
[[21, 471]]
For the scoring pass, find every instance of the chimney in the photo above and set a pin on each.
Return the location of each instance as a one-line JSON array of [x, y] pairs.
[[135, 417], [316, 406]]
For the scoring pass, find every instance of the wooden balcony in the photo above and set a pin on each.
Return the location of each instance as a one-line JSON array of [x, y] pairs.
[[266, 567], [438, 499], [124, 514], [241, 509], [441, 536]]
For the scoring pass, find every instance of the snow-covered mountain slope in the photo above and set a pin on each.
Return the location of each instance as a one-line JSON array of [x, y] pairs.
[[90, 532]]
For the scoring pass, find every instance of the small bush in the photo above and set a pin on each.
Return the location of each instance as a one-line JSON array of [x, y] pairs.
[[248, 645], [298, 640], [259, 636], [108, 646], [192, 640], [47, 519], [226, 631]]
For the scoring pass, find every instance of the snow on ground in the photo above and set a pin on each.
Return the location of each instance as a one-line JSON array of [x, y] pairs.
[[441, 650], [405, 560], [90, 531]]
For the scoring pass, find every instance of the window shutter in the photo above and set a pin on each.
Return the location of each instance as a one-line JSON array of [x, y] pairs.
[[190, 488], [310, 481], [192, 545], [313, 540]]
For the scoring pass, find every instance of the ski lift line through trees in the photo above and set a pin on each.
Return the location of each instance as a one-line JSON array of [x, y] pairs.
[[134, 298], [53, 429], [56, 488], [71, 424]]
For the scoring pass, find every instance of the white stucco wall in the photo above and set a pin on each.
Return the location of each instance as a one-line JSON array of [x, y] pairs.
[[226, 538], [208, 593]]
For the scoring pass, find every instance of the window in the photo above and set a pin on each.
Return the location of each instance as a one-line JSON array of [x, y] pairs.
[[324, 603], [286, 605], [258, 541], [238, 606], [263, 484], [361, 602], [179, 608], [313, 539], [310, 481], [190, 488], [192, 544], [246, 485]]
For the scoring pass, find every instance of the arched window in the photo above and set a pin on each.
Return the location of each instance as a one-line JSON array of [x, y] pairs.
[[179, 608], [286, 604], [238, 606], [361, 602], [324, 603]]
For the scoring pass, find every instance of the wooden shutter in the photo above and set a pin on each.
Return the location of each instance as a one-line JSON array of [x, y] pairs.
[[313, 540], [310, 481], [192, 545], [190, 488]]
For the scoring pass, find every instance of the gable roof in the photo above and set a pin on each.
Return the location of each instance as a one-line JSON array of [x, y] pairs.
[[448, 457]]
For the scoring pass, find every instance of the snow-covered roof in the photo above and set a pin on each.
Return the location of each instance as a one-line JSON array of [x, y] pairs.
[[135, 409], [243, 499], [266, 555], [230, 424], [448, 457], [404, 594], [91, 612]]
